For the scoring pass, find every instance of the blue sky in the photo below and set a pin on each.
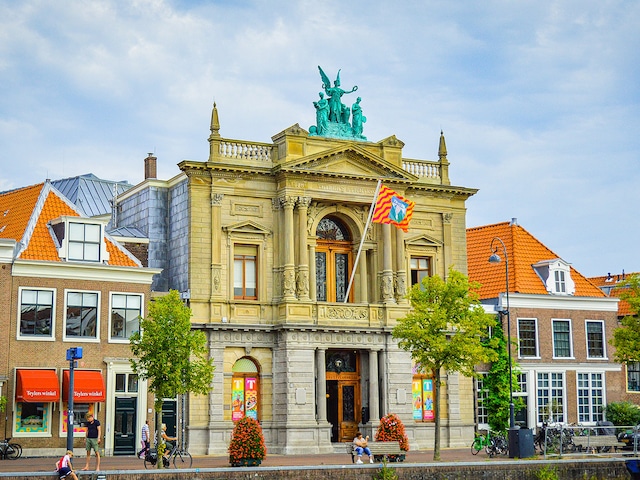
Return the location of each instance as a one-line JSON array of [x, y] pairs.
[[538, 100]]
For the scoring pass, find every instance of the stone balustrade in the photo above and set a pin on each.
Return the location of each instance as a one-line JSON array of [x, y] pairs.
[[422, 168], [245, 150]]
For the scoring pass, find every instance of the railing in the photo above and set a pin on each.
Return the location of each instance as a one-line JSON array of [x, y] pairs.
[[422, 169], [245, 150]]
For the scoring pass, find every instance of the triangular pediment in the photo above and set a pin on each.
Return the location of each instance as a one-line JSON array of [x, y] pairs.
[[247, 227], [423, 241], [350, 161]]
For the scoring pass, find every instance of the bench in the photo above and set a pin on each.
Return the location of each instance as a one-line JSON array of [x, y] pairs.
[[597, 442], [380, 450]]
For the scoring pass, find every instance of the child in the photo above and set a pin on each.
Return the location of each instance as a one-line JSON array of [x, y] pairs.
[[64, 467]]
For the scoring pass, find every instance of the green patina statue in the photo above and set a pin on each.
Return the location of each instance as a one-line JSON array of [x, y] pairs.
[[333, 118]]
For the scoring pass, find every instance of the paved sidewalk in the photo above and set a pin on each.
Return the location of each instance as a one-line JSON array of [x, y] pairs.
[[45, 464]]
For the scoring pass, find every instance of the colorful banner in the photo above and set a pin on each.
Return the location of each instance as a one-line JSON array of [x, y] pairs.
[[427, 396], [237, 399], [251, 397], [416, 393]]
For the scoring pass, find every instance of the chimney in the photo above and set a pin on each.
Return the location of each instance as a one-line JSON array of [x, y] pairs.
[[514, 221], [150, 167]]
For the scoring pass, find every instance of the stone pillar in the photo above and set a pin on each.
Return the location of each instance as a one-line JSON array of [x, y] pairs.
[[321, 387], [387, 267], [401, 273], [364, 277], [446, 241], [216, 244], [374, 396], [289, 274], [312, 272], [302, 284]]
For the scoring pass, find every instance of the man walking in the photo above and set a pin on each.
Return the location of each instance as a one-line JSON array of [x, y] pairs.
[[94, 433], [146, 440]]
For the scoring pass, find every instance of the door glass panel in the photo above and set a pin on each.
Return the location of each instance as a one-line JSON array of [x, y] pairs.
[[321, 276], [348, 403], [342, 275]]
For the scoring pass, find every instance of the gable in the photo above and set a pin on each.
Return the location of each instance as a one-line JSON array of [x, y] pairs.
[[351, 161], [423, 241], [247, 227]]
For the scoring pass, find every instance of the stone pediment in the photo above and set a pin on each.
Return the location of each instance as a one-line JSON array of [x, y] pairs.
[[247, 227], [347, 161], [423, 241]]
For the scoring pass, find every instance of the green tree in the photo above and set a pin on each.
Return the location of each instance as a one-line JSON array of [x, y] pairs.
[[169, 354], [496, 383], [622, 413], [444, 331], [626, 339]]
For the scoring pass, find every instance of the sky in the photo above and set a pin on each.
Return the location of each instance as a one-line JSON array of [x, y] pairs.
[[538, 100]]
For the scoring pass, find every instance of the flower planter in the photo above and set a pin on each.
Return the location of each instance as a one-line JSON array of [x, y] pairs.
[[247, 462]]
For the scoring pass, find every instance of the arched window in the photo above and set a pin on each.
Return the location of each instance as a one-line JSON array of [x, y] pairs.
[[333, 260], [245, 393]]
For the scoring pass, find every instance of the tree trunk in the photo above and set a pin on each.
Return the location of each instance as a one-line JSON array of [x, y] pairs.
[[436, 443], [159, 463]]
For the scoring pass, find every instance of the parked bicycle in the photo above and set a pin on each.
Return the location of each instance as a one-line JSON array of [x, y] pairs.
[[495, 444], [178, 457], [10, 450]]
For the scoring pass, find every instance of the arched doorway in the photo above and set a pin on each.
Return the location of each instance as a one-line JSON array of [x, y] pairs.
[[343, 394], [245, 393], [333, 260]]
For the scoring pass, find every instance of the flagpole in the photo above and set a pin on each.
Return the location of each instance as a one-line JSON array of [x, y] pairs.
[[364, 234]]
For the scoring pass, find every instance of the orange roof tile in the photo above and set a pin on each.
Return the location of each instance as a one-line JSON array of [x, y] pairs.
[[25, 213], [612, 281], [523, 251]]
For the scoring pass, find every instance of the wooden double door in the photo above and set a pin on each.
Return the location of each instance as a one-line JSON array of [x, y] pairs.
[[344, 399]]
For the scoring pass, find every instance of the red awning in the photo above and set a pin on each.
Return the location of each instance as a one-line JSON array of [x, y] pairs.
[[37, 386], [88, 386]]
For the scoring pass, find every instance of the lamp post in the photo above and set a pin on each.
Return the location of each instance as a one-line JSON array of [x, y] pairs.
[[495, 258], [73, 354]]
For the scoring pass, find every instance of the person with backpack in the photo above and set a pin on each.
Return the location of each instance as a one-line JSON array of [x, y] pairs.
[[64, 467]]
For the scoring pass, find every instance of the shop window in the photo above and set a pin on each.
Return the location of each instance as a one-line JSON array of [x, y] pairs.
[[32, 418], [82, 315], [333, 261], [126, 311], [36, 313], [420, 268], [245, 391], [245, 272], [80, 412], [422, 396]]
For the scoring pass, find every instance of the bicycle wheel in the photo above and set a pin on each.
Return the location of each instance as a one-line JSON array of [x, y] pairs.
[[182, 459], [476, 446], [11, 453], [18, 447], [150, 461]]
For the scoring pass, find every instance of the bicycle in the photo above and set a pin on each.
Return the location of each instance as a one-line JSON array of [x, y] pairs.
[[10, 450], [480, 441], [493, 445], [180, 458]]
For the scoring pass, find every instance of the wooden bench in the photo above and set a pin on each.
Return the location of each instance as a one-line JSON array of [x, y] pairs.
[[597, 442], [379, 450]]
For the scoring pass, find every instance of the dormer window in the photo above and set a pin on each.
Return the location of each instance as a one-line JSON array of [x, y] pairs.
[[556, 276], [79, 239]]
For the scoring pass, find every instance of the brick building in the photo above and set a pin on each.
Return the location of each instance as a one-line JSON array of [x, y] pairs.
[[64, 282], [561, 324]]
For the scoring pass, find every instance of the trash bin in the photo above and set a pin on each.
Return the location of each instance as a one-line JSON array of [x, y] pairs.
[[521, 443], [633, 467]]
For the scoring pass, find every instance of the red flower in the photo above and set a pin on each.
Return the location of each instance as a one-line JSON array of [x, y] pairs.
[[247, 441], [391, 429]]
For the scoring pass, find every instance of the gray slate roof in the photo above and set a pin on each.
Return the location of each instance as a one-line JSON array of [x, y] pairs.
[[91, 194]]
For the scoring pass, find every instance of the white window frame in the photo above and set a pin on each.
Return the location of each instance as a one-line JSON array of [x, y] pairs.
[[553, 387], [604, 339], [63, 243], [66, 338], [537, 338], [553, 337], [482, 414], [37, 338], [124, 339], [239, 243], [590, 404]]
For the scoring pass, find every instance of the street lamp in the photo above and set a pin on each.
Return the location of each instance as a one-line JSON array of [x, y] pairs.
[[495, 258], [73, 354]]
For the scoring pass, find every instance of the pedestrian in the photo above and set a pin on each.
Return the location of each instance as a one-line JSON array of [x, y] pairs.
[[64, 467], [146, 440], [94, 433]]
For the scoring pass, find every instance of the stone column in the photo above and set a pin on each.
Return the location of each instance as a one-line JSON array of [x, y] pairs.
[[374, 396], [446, 241], [387, 267], [216, 243], [364, 277], [321, 388], [401, 273], [312, 271], [289, 274], [302, 284]]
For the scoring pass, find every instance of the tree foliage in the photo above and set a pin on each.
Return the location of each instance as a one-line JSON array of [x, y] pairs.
[[169, 354], [444, 331], [496, 383], [626, 339], [623, 413]]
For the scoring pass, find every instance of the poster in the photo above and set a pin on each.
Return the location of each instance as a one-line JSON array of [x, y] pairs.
[[427, 396], [237, 399], [251, 397], [416, 393]]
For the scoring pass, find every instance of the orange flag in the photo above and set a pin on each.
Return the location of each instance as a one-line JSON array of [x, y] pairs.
[[393, 208]]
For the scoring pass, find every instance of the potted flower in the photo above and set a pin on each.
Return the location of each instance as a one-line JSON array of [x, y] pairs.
[[247, 446], [391, 429]]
